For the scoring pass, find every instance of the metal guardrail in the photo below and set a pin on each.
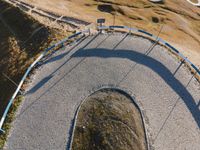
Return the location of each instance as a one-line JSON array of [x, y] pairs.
[[194, 3], [61, 43], [155, 38]]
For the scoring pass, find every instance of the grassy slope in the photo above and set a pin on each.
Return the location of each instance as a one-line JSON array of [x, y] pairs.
[[15, 55], [18, 49], [181, 20], [16, 52], [108, 120]]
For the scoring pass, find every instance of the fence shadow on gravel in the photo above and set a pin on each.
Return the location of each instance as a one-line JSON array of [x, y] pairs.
[[56, 58], [154, 65], [39, 85]]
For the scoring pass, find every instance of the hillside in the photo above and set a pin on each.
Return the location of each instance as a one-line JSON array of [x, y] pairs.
[[181, 20], [21, 40]]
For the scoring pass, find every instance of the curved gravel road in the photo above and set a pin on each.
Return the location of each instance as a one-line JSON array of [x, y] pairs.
[[167, 93]]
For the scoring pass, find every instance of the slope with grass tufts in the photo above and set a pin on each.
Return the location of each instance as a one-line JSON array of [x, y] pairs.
[[181, 20], [21, 40]]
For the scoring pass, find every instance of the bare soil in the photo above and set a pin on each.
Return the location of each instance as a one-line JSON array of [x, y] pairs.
[[109, 119]]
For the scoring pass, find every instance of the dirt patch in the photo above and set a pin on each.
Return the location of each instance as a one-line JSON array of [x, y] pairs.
[[106, 8], [108, 119], [155, 19]]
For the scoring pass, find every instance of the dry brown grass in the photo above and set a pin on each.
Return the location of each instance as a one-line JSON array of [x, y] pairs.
[[18, 48], [109, 120], [180, 19]]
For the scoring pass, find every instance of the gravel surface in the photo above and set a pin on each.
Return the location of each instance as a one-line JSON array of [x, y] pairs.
[[167, 94]]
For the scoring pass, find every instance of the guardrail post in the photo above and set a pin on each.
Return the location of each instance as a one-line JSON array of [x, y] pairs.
[[2, 131], [100, 22], [129, 31], [62, 45]]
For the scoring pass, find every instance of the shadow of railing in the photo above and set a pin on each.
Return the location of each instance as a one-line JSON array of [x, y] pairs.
[[154, 65], [58, 81], [46, 79], [46, 52]]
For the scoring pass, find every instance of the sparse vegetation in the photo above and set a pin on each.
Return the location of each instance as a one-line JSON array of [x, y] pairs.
[[22, 39], [9, 119], [143, 14], [109, 120], [19, 47]]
